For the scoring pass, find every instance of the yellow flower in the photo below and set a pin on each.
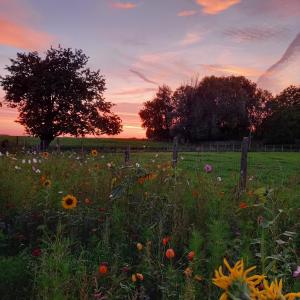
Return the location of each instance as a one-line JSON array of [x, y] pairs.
[[139, 246], [94, 152], [47, 183], [274, 292], [237, 279], [69, 202]]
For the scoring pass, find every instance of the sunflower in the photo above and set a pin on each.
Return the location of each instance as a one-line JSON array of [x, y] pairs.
[[47, 183], [273, 291], [237, 281], [69, 202], [94, 152]]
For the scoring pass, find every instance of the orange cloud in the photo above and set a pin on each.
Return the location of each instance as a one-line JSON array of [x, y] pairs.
[[21, 36], [213, 7], [123, 5], [186, 13]]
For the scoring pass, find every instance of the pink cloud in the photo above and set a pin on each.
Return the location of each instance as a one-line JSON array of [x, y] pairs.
[[186, 13], [191, 38], [213, 7], [21, 36], [123, 5]]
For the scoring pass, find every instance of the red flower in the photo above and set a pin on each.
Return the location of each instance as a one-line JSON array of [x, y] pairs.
[[103, 269], [166, 240], [36, 252], [191, 255], [243, 205], [170, 253]]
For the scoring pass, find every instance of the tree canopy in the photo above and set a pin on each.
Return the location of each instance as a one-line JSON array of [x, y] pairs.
[[58, 94]]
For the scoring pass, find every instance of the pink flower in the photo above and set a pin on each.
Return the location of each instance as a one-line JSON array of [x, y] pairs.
[[208, 168], [296, 273]]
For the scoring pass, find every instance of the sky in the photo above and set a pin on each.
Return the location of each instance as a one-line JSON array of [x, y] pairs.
[[141, 44]]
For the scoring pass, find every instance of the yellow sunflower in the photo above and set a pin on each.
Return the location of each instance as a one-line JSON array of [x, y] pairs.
[[237, 281], [69, 202], [273, 291], [47, 183], [94, 152]]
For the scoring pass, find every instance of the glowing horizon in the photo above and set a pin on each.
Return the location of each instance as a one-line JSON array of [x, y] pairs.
[[139, 45]]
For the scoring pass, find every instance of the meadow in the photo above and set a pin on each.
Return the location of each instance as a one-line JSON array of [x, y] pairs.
[[87, 226]]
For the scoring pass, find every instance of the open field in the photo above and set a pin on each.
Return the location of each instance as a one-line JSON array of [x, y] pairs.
[[109, 238]]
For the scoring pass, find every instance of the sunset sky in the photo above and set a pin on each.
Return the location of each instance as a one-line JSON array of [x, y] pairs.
[[140, 44]]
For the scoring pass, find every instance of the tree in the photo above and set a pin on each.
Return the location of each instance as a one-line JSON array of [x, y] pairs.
[[219, 108], [58, 95], [157, 115], [283, 123]]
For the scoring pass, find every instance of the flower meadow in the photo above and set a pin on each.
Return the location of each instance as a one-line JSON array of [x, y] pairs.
[[90, 227]]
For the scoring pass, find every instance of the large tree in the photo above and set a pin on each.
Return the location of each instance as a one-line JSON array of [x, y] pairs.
[[157, 115], [58, 94]]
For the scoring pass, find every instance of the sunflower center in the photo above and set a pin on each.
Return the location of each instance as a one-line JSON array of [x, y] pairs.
[[69, 201]]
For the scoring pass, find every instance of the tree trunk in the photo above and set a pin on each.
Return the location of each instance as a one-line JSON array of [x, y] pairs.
[[44, 143]]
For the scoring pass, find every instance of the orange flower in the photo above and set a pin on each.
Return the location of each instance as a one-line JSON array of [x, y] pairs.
[[139, 246], [243, 205], [195, 194], [188, 272], [140, 276], [221, 194], [103, 269], [191, 255], [133, 278], [170, 253], [47, 183], [166, 240]]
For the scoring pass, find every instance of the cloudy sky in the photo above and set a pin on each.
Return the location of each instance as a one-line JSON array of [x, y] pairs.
[[140, 44]]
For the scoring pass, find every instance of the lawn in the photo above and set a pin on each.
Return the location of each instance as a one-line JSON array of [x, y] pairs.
[[88, 227]]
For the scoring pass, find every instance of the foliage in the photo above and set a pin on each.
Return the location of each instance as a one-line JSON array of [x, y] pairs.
[[57, 94]]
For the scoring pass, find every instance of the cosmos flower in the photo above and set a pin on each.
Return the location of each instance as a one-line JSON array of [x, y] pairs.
[[170, 253], [208, 168]]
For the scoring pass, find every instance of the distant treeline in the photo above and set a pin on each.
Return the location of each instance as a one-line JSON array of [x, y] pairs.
[[222, 108]]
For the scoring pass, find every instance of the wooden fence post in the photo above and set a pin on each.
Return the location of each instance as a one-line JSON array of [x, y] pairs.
[[244, 164], [175, 151], [127, 155]]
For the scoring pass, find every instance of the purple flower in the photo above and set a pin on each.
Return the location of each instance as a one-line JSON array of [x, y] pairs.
[[208, 168], [296, 273]]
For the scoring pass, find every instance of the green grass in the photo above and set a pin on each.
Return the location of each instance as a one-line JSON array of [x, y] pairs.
[[120, 206]]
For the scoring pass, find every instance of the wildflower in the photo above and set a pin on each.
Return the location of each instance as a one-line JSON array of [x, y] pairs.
[[191, 255], [109, 165], [243, 205], [296, 273], [17, 168], [42, 179], [222, 194], [103, 269], [195, 194], [47, 183], [166, 240], [137, 165], [36, 252], [274, 291], [29, 161], [139, 246], [208, 168], [219, 178], [250, 193], [188, 272], [69, 202], [34, 160], [140, 276], [133, 278], [94, 152], [170, 253], [23, 161], [45, 155], [87, 201], [38, 171], [237, 281]]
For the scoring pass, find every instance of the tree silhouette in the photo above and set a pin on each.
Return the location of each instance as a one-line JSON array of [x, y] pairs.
[[57, 94]]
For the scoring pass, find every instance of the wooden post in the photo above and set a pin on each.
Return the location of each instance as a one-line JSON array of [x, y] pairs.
[[127, 155], [244, 164], [175, 151]]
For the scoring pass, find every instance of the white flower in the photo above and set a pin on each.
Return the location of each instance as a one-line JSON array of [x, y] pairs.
[[34, 160], [219, 178], [1, 153], [153, 160], [137, 165], [38, 171], [109, 165], [17, 168], [23, 161], [110, 196], [60, 192], [181, 157], [29, 161], [7, 153], [40, 160], [156, 155], [102, 156]]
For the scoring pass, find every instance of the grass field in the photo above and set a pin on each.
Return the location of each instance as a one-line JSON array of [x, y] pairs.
[[88, 227]]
